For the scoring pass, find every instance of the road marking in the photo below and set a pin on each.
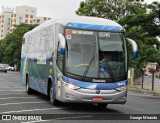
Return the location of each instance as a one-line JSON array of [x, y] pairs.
[[17, 85], [62, 118], [22, 103], [15, 98], [12, 90], [58, 119], [29, 110], [8, 83], [11, 93], [37, 121], [11, 86]]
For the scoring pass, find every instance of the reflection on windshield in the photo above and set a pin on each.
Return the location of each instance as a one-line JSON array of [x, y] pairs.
[[106, 48], [111, 55], [81, 49], [112, 64]]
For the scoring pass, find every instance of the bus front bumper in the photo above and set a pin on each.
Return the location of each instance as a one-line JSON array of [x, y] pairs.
[[88, 96]]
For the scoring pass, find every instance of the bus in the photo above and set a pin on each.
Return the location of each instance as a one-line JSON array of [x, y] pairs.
[[77, 60]]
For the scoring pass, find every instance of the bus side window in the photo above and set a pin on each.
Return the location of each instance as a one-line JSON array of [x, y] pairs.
[[59, 58]]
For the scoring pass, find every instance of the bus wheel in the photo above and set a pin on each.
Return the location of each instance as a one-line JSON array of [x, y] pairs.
[[102, 106], [51, 97], [28, 89]]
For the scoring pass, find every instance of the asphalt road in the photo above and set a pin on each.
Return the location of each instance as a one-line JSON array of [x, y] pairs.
[[15, 102]]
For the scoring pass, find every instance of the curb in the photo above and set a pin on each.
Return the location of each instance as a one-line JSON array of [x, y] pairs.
[[145, 91]]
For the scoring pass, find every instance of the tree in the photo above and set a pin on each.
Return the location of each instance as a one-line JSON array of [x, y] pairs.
[[10, 46], [109, 9], [143, 27], [139, 20]]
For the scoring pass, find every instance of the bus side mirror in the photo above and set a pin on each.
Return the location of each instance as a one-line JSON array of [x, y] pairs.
[[134, 47], [62, 43]]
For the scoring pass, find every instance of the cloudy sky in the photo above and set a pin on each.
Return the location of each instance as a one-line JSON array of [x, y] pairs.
[[50, 8]]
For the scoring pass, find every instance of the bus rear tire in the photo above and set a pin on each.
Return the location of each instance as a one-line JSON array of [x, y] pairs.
[[28, 89], [51, 97]]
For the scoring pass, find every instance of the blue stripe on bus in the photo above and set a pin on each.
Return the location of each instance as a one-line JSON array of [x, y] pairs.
[[94, 27], [91, 85]]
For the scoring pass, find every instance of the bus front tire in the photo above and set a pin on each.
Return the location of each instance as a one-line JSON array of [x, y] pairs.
[[28, 89]]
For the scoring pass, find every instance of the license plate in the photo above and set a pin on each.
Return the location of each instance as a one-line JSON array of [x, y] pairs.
[[97, 99]]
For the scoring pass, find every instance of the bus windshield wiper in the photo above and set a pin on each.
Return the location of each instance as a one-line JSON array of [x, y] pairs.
[[110, 71], [88, 67]]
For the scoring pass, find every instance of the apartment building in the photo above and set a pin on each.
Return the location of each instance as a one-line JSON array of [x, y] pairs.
[[22, 14]]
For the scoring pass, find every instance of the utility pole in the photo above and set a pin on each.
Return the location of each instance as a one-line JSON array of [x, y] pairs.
[[153, 80], [143, 70], [153, 69]]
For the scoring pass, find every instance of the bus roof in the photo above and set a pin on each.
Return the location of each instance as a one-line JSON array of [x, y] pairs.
[[82, 22]]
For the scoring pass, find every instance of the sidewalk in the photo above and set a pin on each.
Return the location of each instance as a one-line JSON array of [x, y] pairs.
[[147, 86]]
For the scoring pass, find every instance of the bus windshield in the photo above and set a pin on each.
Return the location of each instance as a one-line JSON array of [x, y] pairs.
[[95, 54]]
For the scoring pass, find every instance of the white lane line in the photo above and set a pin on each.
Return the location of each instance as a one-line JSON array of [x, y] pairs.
[[15, 98], [10, 87], [58, 119], [37, 121], [72, 117], [29, 110], [12, 93], [9, 84], [12, 90], [4, 83], [22, 103]]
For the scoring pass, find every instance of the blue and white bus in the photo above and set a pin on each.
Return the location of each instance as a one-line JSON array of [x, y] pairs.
[[77, 60]]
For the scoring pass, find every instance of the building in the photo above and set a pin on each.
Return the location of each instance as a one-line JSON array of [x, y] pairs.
[[22, 14]]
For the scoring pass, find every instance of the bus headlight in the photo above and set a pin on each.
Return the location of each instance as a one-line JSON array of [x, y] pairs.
[[71, 86], [121, 88]]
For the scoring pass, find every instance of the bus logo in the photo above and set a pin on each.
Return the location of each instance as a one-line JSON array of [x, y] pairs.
[[104, 35]]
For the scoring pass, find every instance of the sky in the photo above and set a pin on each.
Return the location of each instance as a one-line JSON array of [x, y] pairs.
[[49, 8]]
